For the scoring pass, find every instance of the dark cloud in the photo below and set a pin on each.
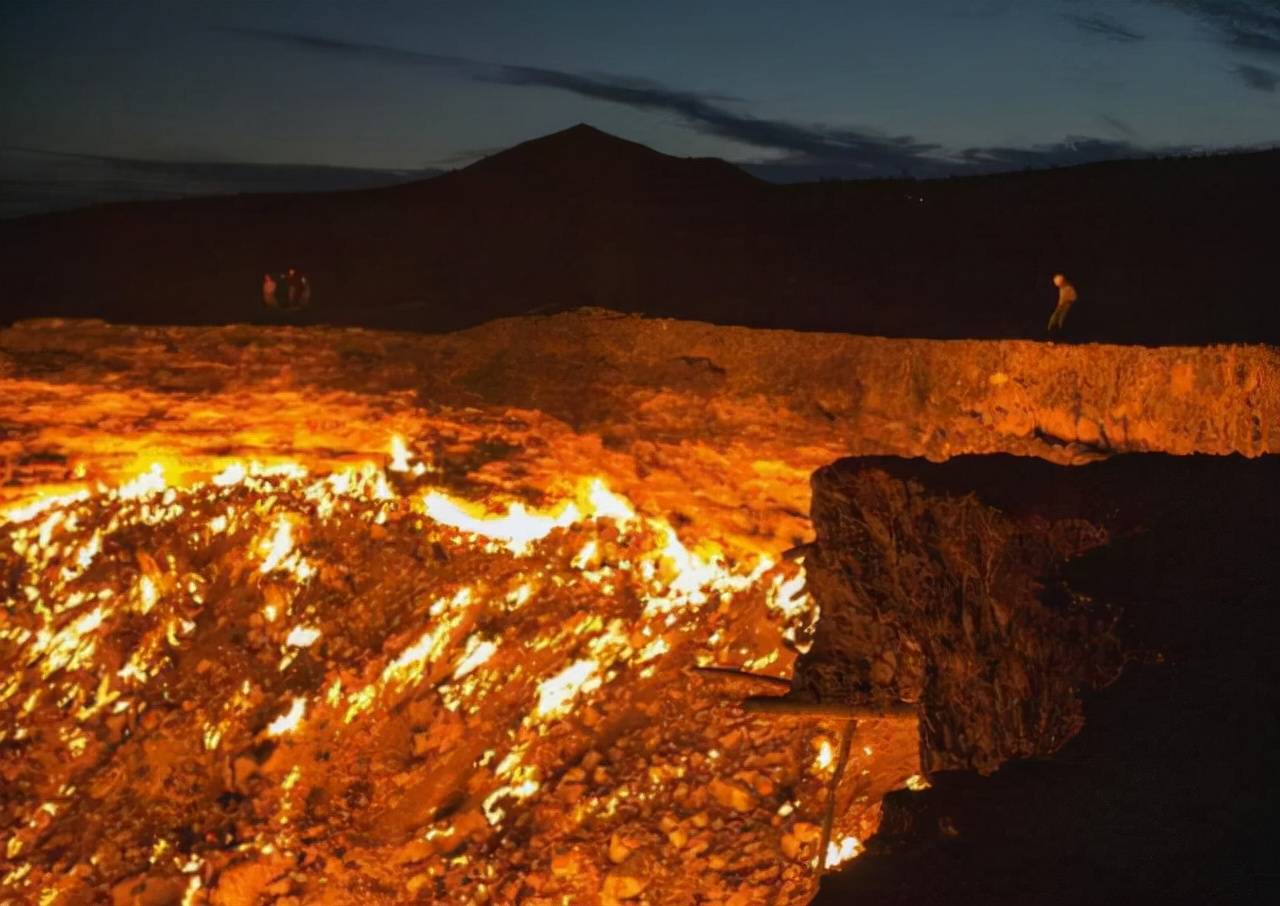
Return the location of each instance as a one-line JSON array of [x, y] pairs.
[[804, 151], [1070, 151], [1256, 77], [1115, 124], [1104, 28], [854, 148], [1252, 25]]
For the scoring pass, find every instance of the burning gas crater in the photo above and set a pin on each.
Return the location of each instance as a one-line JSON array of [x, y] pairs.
[[357, 687]]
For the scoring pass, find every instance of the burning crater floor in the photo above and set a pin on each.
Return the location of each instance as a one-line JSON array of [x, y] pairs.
[[352, 688], [334, 616]]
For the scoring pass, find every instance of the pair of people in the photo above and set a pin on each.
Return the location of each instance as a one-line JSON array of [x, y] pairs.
[[289, 290]]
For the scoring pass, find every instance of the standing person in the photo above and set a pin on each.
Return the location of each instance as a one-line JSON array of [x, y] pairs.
[[291, 287], [304, 291], [269, 291], [1066, 296]]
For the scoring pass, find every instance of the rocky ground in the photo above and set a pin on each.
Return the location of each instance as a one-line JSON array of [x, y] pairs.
[[347, 688], [257, 650]]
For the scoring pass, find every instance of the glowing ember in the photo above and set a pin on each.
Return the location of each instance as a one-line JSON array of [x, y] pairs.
[[41, 504], [302, 636], [231, 475], [604, 504], [278, 546], [289, 721], [846, 849], [517, 528], [476, 655], [148, 483], [399, 455], [557, 693], [825, 757], [147, 594]]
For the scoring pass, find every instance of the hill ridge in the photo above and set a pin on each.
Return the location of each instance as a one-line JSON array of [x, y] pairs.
[[1163, 252]]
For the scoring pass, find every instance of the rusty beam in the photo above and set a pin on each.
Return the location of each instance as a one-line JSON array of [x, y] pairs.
[[800, 707], [777, 682]]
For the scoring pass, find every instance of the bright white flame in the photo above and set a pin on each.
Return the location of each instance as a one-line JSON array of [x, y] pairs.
[[232, 474], [825, 757], [278, 546], [585, 556], [149, 482], [289, 721], [845, 850], [84, 557], [656, 648], [475, 655], [147, 593], [557, 693], [302, 636], [607, 505], [399, 455], [39, 505], [518, 528]]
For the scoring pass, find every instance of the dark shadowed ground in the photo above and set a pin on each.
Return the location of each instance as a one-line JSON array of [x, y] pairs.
[[1162, 251], [1167, 794]]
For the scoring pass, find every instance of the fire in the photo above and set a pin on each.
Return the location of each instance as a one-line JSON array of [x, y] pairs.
[[231, 475], [147, 593], [838, 853], [278, 547], [518, 528], [290, 720], [430, 643], [604, 504], [556, 694], [477, 653], [825, 757], [70, 647], [42, 504], [149, 482], [302, 636], [514, 621], [399, 455]]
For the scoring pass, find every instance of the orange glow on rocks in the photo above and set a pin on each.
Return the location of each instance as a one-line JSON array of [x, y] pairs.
[[596, 605]]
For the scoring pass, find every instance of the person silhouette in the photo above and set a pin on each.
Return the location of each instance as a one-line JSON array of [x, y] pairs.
[[269, 286], [291, 287], [1066, 297]]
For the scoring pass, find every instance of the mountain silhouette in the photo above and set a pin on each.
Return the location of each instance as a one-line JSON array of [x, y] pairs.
[[583, 159], [1161, 251]]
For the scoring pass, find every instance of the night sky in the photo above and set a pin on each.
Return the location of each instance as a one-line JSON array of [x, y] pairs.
[[808, 89]]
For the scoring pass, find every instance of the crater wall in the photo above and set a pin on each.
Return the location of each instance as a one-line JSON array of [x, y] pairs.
[[725, 420], [1006, 595]]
